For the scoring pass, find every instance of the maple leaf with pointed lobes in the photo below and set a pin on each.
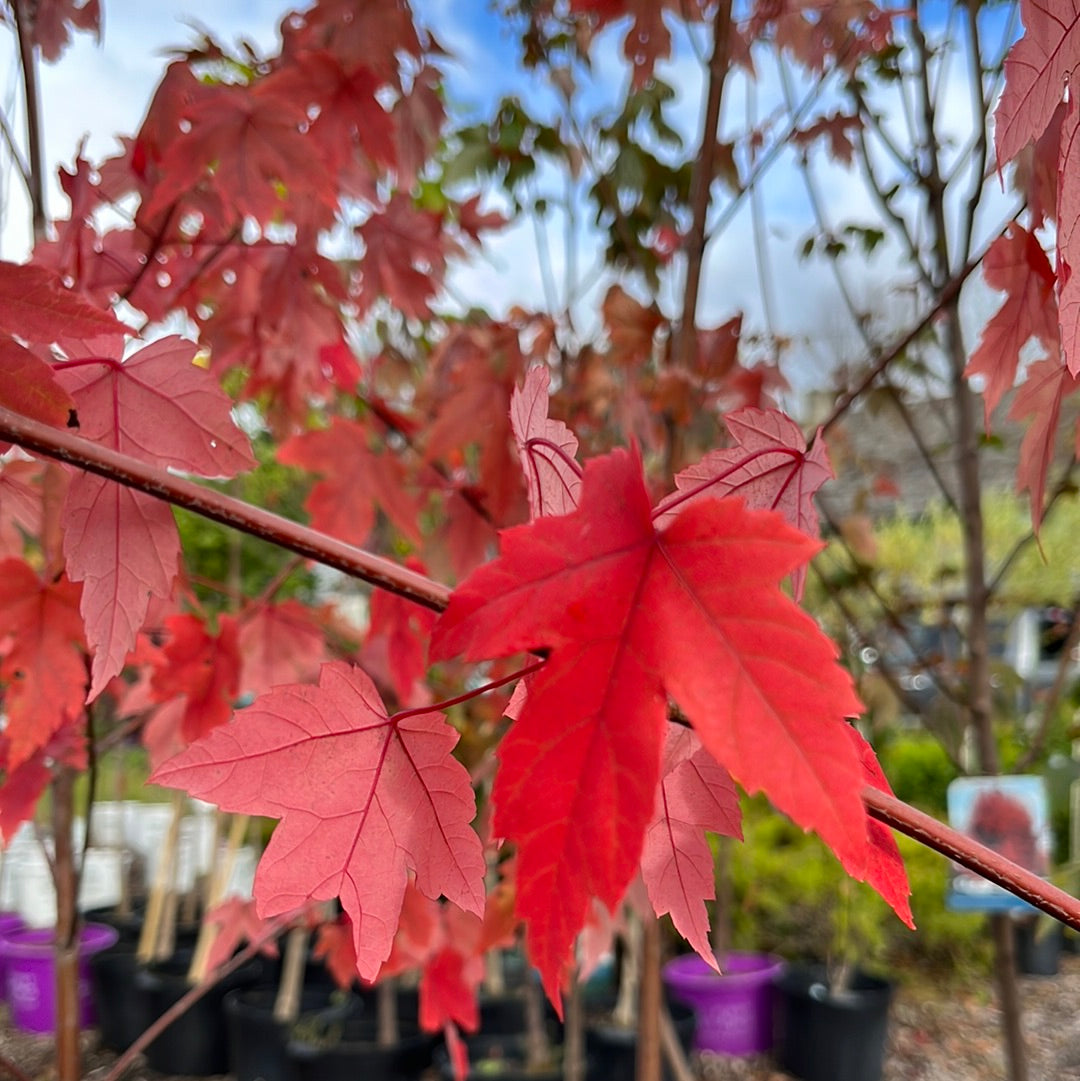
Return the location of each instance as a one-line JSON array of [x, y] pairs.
[[279, 643], [349, 115], [1016, 265], [1037, 70], [362, 798], [43, 668], [835, 130], [547, 448], [160, 408], [630, 616], [404, 257], [203, 668], [35, 306], [631, 327], [770, 468], [249, 145], [1039, 398], [353, 481], [695, 794]]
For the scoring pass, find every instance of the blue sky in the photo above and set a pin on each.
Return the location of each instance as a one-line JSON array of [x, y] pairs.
[[101, 92]]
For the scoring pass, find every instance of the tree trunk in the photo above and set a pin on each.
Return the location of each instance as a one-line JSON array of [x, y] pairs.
[[648, 1040], [979, 698], [66, 954]]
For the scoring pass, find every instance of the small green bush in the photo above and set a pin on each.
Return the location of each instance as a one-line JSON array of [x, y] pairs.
[[791, 897], [918, 769]]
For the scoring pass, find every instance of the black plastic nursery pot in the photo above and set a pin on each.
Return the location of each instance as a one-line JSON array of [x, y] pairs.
[[327, 1048], [121, 1009], [831, 1037], [257, 1042], [611, 1050], [196, 1043], [1038, 947]]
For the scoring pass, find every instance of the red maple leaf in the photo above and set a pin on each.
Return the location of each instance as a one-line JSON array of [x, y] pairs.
[[1068, 237], [159, 407], [279, 643], [236, 922], [547, 448], [630, 616], [885, 868], [28, 386], [695, 795], [354, 479], [49, 23], [448, 986], [20, 504], [1047, 384], [43, 664], [23, 785], [349, 115], [770, 468], [473, 373], [35, 306], [249, 144], [203, 668], [648, 39], [1016, 265], [835, 129], [362, 797], [334, 946], [398, 633], [1037, 70], [404, 257]]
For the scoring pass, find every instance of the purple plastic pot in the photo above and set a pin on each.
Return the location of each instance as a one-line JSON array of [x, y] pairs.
[[734, 1010], [31, 983], [9, 921]]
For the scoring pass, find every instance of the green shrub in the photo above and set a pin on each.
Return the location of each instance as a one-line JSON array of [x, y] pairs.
[[791, 897], [918, 769]]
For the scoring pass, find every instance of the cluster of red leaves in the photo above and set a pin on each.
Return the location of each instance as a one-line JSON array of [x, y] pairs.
[[1036, 124], [673, 666]]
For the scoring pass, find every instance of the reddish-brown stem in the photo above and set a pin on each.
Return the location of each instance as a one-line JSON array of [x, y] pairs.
[[435, 707], [972, 855], [310, 543], [571, 463]]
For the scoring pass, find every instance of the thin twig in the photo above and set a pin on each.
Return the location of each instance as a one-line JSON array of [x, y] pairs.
[[975, 857]]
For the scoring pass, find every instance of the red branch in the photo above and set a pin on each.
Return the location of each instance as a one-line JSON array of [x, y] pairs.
[[57, 443], [974, 856], [310, 543]]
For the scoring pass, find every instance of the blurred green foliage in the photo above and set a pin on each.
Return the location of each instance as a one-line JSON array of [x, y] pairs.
[[793, 898], [216, 554]]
